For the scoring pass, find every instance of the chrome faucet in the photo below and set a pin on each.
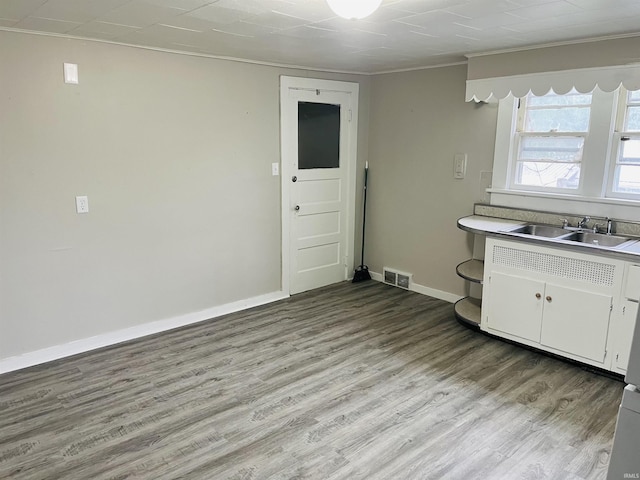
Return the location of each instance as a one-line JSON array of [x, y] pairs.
[[582, 223], [604, 228]]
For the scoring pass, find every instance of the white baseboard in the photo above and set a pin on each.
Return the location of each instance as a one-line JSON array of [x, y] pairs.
[[87, 344], [415, 287]]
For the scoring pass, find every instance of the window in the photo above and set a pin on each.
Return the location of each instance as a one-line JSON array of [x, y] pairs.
[[318, 135], [550, 135], [573, 147], [626, 169]]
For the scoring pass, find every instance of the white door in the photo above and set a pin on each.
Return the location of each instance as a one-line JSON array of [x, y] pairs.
[[318, 163], [576, 321], [515, 305], [624, 335]]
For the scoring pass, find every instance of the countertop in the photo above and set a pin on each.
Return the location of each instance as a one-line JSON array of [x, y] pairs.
[[503, 228]]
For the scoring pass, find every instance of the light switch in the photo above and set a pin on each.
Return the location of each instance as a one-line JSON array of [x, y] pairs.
[[460, 165], [71, 73], [275, 169], [82, 204]]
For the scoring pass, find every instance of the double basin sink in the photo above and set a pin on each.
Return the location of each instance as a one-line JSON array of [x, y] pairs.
[[584, 237]]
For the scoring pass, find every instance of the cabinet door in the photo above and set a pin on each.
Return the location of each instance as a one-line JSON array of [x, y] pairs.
[[576, 321], [515, 305], [624, 335]]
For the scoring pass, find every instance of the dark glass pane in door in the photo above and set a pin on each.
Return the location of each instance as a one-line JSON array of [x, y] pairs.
[[318, 135]]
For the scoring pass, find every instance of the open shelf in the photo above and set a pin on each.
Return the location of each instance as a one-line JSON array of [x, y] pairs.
[[471, 270], [467, 310]]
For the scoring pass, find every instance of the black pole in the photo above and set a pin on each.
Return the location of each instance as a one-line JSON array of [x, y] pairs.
[[364, 212], [362, 272]]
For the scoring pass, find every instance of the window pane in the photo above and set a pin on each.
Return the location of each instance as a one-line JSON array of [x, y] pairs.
[[627, 173], [548, 174], [551, 149], [632, 123], [553, 99], [634, 96], [627, 179], [630, 151], [557, 113], [567, 119], [552, 162], [318, 135]]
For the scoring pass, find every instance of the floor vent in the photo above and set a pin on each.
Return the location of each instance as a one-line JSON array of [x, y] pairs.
[[396, 278], [390, 277]]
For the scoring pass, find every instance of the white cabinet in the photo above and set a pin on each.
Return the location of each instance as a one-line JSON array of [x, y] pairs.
[[556, 300], [622, 334], [552, 315], [624, 322], [576, 321], [515, 305]]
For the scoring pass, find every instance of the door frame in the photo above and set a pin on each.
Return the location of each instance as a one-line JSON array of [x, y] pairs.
[[287, 152]]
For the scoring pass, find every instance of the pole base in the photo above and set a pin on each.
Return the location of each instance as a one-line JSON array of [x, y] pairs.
[[361, 274]]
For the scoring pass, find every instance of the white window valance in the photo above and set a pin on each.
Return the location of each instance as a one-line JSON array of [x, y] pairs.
[[583, 80], [606, 63]]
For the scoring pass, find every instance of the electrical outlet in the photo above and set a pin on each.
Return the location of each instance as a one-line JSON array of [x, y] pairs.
[[82, 204]]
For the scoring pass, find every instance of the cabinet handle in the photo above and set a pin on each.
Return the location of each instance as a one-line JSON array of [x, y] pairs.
[[549, 299], [538, 296]]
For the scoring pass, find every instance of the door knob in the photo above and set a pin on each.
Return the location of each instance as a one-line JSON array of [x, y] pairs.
[[549, 299], [294, 179], [296, 208], [538, 296]]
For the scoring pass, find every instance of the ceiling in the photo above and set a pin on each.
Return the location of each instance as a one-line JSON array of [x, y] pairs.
[[402, 34]]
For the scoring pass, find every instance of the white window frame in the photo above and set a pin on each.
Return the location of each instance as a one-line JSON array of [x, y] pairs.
[[597, 145], [616, 145], [593, 197], [520, 133]]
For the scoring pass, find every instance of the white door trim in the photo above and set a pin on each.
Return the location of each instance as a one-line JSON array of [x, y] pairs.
[[286, 151]]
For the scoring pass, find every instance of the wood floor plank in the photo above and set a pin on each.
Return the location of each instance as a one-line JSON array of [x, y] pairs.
[[351, 381]]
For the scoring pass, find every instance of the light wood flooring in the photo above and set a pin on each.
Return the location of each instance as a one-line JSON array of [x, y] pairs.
[[352, 381]]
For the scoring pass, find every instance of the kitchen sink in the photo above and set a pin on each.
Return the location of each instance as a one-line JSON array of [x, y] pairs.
[[541, 231], [597, 239], [585, 237]]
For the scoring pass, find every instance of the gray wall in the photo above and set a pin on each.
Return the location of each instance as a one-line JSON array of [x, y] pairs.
[[174, 153], [592, 54], [418, 122]]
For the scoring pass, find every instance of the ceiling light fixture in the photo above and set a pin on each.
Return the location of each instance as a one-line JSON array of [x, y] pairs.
[[354, 9]]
